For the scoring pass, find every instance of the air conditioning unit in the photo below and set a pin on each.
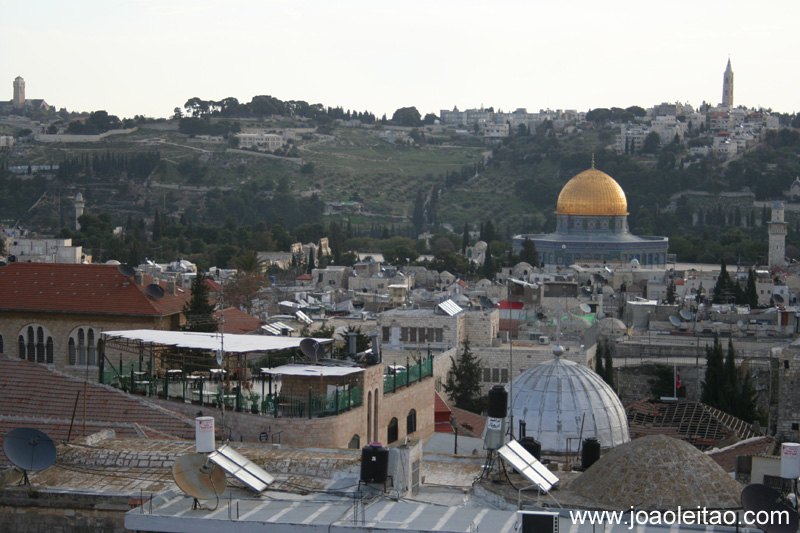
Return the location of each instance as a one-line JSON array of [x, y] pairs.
[[544, 339]]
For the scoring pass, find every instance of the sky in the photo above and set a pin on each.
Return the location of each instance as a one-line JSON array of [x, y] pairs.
[[146, 57]]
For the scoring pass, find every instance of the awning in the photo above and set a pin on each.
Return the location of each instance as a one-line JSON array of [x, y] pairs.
[[312, 370], [230, 342]]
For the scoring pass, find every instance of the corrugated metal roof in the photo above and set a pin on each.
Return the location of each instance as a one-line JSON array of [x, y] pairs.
[[277, 328]]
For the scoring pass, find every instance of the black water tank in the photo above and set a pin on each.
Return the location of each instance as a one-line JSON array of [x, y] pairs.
[[498, 402], [374, 463], [532, 446], [590, 453]]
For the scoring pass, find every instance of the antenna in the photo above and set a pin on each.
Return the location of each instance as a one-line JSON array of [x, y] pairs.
[[29, 450], [312, 349], [757, 498], [154, 291], [126, 270], [199, 477]]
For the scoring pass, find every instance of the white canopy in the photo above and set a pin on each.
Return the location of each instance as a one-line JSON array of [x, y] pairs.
[[312, 370], [210, 341]]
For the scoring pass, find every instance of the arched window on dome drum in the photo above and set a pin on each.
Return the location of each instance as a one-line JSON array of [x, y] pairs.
[[92, 359], [21, 347], [72, 352], [81, 348], [49, 351], [40, 345], [31, 345]]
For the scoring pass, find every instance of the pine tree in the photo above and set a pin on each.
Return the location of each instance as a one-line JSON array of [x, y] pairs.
[[465, 239], [751, 292], [714, 383], [598, 360], [463, 383], [199, 312], [608, 374]]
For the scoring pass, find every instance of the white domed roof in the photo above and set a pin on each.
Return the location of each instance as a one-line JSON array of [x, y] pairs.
[[556, 398]]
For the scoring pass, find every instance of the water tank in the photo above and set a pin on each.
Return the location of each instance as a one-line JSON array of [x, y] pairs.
[[790, 460], [498, 402], [590, 453], [204, 434], [374, 463], [532, 446]]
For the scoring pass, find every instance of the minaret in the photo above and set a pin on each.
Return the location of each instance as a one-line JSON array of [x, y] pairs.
[[79, 205], [727, 86], [19, 93], [777, 236]]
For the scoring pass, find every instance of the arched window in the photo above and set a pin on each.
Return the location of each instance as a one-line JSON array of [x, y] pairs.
[[355, 442], [49, 351], [369, 416], [81, 348], [411, 422], [21, 348], [30, 345], [73, 353], [391, 431], [375, 417], [91, 348], [40, 345]]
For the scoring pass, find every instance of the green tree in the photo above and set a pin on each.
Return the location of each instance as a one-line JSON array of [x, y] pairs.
[[608, 374], [751, 292], [651, 143], [723, 289], [199, 312], [713, 387], [489, 269], [463, 383], [407, 116], [671, 293], [529, 253]]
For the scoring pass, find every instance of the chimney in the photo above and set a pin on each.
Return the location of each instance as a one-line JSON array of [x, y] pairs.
[[138, 278], [171, 286]]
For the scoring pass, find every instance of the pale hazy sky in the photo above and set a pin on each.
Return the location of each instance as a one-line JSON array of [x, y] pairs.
[[149, 56]]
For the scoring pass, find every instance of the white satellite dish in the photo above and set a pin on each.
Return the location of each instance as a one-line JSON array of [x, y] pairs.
[[586, 308], [675, 321]]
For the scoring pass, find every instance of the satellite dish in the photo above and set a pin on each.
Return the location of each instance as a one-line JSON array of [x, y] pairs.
[[311, 349], [126, 270], [739, 324], [486, 303], [686, 315], [586, 308], [30, 450], [155, 291], [675, 321], [770, 311], [598, 278], [778, 299], [758, 497], [199, 477]]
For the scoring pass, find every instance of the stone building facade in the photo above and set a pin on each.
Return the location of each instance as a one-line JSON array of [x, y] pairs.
[[428, 328]]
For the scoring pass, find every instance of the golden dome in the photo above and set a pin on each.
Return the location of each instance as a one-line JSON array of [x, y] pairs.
[[592, 193]]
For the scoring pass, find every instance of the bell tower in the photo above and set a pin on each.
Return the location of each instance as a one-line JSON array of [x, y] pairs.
[[777, 236], [727, 86], [19, 93]]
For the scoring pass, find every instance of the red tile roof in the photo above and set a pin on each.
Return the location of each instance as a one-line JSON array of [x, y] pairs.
[[726, 457], [304, 277], [90, 289], [237, 321], [31, 395]]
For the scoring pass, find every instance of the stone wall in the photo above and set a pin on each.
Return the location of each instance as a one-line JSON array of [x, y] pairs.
[[24, 511], [633, 382]]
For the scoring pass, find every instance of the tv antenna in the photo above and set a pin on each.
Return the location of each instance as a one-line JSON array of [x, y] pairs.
[[199, 477], [30, 450]]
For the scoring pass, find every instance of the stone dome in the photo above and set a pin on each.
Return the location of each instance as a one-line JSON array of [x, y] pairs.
[[592, 193], [557, 397], [657, 473]]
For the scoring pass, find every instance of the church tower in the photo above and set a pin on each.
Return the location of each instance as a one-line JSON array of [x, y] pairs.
[[777, 236], [727, 86], [19, 93]]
